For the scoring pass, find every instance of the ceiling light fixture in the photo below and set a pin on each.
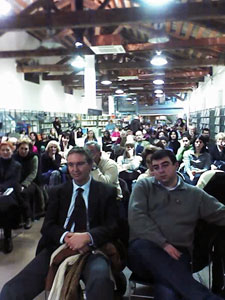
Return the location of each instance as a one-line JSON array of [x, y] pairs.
[[5, 7], [119, 91], [78, 44], [105, 80], [159, 39], [157, 2], [158, 81], [78, 62], [158, 91], [159, 95], [158, 59]]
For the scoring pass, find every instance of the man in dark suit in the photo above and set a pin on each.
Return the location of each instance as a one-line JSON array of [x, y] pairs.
[[59, 227]]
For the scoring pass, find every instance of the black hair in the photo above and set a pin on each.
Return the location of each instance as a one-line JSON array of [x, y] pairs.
[[164, 153], [171, 133], [83, 151], [203, 139]]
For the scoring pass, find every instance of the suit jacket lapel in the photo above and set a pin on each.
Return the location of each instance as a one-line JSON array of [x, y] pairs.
[[66, 197], [92, 200]]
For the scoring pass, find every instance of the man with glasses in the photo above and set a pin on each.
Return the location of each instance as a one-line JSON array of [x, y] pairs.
[[82, 214], [163, 212]]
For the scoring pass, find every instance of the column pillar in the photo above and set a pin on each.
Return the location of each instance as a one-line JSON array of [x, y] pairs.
[[90, 82]]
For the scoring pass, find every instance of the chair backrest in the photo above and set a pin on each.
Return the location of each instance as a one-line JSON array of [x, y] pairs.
[[215, 186]]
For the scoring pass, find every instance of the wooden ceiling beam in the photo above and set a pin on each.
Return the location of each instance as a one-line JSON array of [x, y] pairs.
[[118, 66], [42, 52], [90, 18], [178, 44]]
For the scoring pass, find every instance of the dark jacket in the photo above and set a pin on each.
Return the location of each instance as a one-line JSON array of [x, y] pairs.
[[47, 163], [102, 214], [10, 172]]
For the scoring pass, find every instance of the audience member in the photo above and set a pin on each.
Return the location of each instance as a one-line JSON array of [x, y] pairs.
[[10, 171], [173, 144], [140, 142], [186, 145], [107, 142], [96, 226], [104, 169], [29, 173], [196, 161], [218, 153], [90, 137], [163, 212], [50, 163]]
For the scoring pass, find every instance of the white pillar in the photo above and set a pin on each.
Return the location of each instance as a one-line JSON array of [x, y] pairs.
[[90, 82], [111, 105]]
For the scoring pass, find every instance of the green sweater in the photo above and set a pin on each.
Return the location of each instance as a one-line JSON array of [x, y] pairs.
[[163, 216]]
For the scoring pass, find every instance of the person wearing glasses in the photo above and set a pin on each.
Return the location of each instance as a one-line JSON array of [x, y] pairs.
[[96, 202]]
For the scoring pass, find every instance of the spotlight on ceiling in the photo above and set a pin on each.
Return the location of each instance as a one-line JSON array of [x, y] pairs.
[[159, 95], [159, 39], [78, 62], [158, 59], [105, 80], [119, 91], [158, 81], [78, 44], [158, 91], [5, 7]]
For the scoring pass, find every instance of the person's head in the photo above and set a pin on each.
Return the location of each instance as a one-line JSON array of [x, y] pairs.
[[52, 131], [52, 147], [79, 162], [206, 132], [186, 139], [33, 136], [164, 141], [129, 132], [192, 130], [139, 136], [24, 147], [107, 134], [79, 129], [57, 119], [220, 139], [65, 137], [160, 134], [6, 150], [129, 149], [199, 144], [95, 151], [164, 166], [44, 136], [147, 154], [173, 135], [13, 141], [91, 134]]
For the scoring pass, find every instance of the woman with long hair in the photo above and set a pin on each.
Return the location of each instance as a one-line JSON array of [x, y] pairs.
[[173, 144], [90, 137], [196, 161]]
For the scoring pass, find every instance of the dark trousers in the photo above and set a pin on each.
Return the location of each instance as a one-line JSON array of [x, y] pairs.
[[173, 278], [30, 282]]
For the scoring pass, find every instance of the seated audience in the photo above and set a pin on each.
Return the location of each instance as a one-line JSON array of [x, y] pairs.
[[107, 142], [64, 146], [50, 163], [217, 152], [173, 144], [14, 142], [10, 171], [163, 212], [129, 161], [29, 173], [186, 145], [90, 137], [140, 142], [196, 161], [104, 169], [34, 140], [94, 226], [43, 142], [53, 136], [146, 155]]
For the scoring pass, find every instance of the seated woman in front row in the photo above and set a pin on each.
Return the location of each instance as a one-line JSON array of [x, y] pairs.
[[10, 171], [196, 161]]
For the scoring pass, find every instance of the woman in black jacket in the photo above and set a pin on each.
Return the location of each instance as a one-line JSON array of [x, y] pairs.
[[10, 171]]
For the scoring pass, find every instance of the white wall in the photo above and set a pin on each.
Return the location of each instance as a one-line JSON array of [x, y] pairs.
[[16, 93], [210, 93]]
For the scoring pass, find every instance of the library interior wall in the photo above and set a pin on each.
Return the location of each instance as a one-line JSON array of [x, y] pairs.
[[18, 94], [210, 93]]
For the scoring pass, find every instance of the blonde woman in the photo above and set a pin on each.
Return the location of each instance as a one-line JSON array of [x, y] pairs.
[[50, 163]]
